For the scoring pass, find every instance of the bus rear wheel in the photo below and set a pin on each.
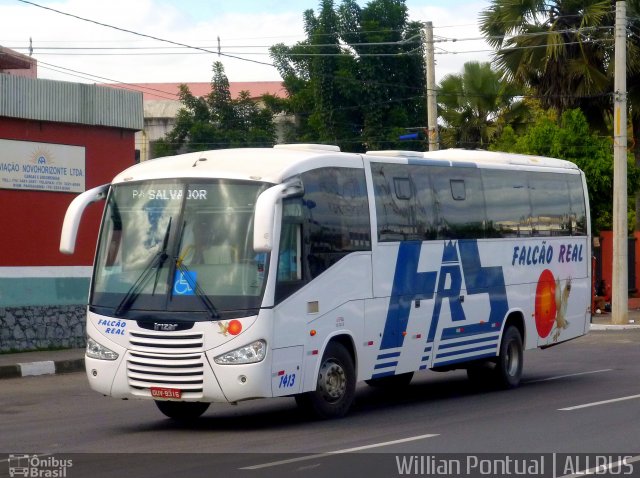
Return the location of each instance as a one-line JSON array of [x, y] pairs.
[[335, 386], [508, 370], [504, 371], [182, 411]]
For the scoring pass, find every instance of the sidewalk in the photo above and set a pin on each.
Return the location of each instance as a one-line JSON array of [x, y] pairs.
[[51, 362], [45, 362], [604, 321]]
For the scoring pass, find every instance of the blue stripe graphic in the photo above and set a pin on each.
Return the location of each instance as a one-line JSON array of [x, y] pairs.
[[385, 365], [464, 359], [468, 342], [460, 266], [382, 374], [466, 351]]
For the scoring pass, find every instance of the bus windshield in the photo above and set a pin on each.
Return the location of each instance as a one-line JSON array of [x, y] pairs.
[[179, 246]]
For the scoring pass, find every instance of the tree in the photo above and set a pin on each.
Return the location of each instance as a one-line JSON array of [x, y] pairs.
[[560, 49], [571, 139], [217, 121], [564, 51], [475, 104], [357, 80]]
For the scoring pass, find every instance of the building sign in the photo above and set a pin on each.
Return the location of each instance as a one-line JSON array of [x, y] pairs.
[[42, 166]]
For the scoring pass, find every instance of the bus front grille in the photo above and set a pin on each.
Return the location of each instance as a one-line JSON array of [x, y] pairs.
[[166, 342], [184, 372]]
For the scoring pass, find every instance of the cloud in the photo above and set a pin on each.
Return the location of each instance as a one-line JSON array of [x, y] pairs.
[[245, 33]]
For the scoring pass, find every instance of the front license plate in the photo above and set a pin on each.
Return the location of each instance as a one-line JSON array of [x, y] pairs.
[[160, 392]]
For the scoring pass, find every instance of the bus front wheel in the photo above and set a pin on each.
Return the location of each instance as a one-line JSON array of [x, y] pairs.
[[335, 386], [182, 411]]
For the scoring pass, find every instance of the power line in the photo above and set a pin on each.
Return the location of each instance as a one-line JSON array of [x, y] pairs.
[[206, 49], [89, 76], [141, 34]]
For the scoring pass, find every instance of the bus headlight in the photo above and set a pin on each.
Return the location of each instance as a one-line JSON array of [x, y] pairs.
[[252, 353], [98, 351]]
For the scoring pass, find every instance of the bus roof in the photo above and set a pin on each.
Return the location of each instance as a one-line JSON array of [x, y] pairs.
[[274, 165], [478, 157], [482, 157]]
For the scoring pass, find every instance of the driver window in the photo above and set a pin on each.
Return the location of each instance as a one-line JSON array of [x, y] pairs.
[[289, 266], [290, 275]]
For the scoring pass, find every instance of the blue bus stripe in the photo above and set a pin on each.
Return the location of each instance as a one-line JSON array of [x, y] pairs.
[[385, 365], [389, 355], [469, 342], [382, 374], [469, 330], [464, 359], [426, 357], [466, 351]]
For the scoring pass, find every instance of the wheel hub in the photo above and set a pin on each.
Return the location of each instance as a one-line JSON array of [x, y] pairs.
[[332, 381]]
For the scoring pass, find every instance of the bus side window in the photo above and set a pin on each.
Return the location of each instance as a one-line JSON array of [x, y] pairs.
[[404, 202], [550, 204], [508, 206], [578, 209], [460, 202]]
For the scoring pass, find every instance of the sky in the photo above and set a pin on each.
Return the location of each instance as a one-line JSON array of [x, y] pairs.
[[71, 49]]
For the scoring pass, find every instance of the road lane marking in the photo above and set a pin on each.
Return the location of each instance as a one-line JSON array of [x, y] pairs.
[[558, 377], [337, 452], [603, 402], [603, 468]]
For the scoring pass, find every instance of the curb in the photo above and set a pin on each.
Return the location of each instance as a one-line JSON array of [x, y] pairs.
[[614, 327], [47, 367]]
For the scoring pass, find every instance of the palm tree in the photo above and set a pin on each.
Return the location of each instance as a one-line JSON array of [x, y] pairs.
[[563, 50], [475, 103], [560, 49]]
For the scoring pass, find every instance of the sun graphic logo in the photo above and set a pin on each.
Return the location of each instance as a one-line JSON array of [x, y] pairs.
[[42, 156], [551, 305]]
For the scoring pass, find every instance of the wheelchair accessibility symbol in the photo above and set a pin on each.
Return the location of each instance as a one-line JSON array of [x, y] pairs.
[[182, 283]]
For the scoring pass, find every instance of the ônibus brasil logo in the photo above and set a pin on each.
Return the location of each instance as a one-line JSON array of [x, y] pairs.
[[39, 466]]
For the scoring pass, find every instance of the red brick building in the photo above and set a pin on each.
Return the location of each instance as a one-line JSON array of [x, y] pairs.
[[57, 139]]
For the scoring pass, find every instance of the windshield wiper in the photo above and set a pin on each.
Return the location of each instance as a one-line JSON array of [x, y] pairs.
[[156, 263], [195, 287]]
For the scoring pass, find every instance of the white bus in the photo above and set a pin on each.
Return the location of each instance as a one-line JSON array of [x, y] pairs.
[[300, 270]]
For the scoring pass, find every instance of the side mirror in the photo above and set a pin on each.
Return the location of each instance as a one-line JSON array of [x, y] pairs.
[[264, 215], [74, 214]]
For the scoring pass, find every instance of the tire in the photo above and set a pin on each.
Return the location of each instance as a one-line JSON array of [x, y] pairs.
[[335, 387], [182, 411], [508, 370], [392, 381]]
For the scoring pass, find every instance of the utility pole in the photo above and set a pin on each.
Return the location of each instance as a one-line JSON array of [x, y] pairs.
[[620, 286], [432, 106]]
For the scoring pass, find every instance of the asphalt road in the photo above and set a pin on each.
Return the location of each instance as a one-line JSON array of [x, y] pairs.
[[579, 397]]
